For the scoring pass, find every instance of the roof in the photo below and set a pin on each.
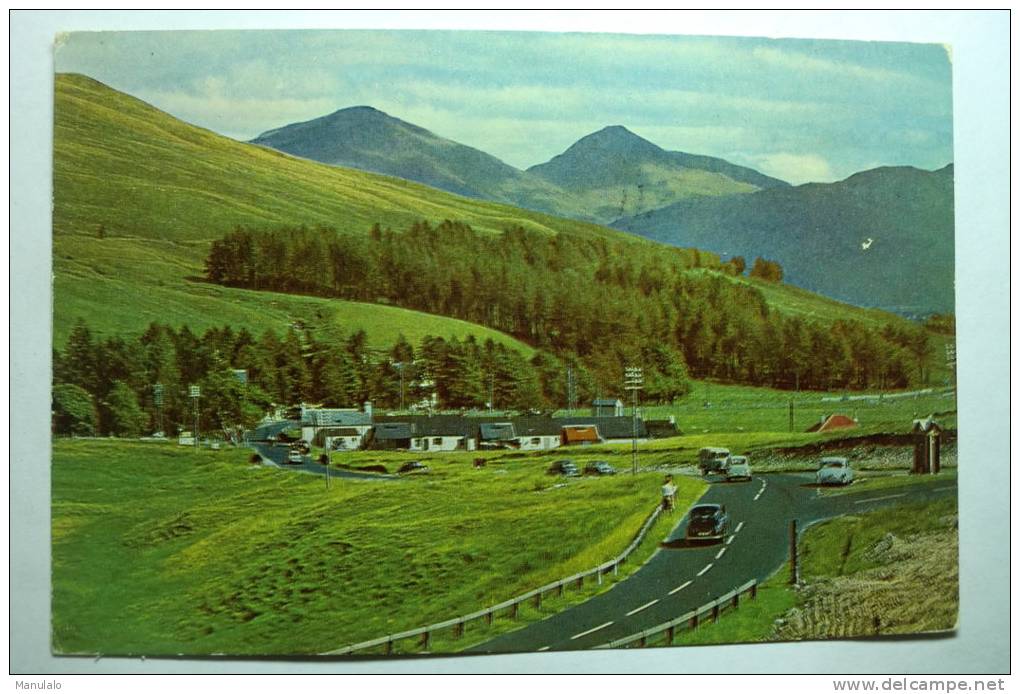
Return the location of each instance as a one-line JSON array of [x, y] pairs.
[[498, 431], [393, 431], [834, 421], [923, 426], [609, 427], [580, 434], [606, 402], [327, 417], [339, 431]]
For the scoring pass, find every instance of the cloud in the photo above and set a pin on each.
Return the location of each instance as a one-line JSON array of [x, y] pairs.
[[796, 168]]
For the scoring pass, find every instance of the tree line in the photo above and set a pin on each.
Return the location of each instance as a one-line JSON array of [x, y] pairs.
[[601, 302], [108, 386]]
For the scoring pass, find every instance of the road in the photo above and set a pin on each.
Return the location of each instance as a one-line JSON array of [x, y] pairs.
[[277, 456], [679, 577]]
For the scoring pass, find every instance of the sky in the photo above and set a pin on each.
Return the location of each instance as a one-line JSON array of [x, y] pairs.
[[800, 110]]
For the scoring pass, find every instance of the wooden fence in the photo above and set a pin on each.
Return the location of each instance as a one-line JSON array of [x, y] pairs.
[[668, 630]]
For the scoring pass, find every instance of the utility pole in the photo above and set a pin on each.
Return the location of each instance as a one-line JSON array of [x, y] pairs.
[[400, 368], [794, 564], [194, 392], [633, 381], [492, 390], [157, 399], [570, 391]]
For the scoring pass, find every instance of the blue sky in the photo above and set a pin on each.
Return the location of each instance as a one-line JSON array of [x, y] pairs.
[[806, 110]]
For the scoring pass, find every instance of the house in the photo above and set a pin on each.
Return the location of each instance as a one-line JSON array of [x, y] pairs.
[[391, 436], [605, 407], [429, 433], [335, 428], [610, 428], [833, 422], [496, 435], [662, 428]]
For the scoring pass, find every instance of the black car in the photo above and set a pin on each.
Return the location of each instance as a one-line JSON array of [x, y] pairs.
[[564, 467], [413, 467], [599, 467], [708, 522]]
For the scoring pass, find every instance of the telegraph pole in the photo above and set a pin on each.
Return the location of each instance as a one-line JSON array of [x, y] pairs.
[[195, 393], [157, 399], [633, 381], [400, 367]]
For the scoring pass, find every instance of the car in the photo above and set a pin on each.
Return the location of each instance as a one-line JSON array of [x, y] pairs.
[[713, 460], [599, 467], [567, 468], [295, 456], [413, 467], [739, 468], [707, 522], [834, 471]]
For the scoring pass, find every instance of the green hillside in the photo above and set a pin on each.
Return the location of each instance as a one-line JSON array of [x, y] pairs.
[[139, 197]]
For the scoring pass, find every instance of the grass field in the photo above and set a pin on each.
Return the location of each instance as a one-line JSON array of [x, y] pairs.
[[163, 550], [735, 409], [860, 577]]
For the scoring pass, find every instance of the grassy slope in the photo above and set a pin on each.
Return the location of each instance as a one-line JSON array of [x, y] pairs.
[[162, 189], [162, 550]]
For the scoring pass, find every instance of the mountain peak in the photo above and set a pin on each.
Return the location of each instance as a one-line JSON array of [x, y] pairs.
[[618, 140]]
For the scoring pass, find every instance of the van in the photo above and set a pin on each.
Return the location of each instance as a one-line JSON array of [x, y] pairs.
[[713, 460]]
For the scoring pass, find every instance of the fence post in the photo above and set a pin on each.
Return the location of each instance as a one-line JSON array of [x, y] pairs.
[[736, 599], [642, 642], [598, 573], [694, 621], [715, 612], [559, 588], [754, 590], [538, 599], [513, 611], [424, 642], [616, 566], [488, 617], [389, 648], [580, 581], [670, 633], [458, 630]]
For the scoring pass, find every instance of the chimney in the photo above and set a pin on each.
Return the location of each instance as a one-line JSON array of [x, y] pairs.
[[367, 407]]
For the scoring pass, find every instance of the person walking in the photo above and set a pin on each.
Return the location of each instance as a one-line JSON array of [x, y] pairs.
[[668, 494]]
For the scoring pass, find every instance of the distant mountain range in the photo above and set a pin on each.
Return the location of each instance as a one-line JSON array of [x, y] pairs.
[[881, 238], [601, 177], [819, 232]]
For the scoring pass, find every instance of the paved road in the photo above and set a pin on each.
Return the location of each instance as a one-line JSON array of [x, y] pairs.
[[277, 456], [679, 577]]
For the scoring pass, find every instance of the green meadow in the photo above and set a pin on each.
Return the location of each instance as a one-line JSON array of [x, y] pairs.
[[163, 550]]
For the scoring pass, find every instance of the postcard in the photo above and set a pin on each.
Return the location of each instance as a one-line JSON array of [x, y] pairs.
[[373, 343]]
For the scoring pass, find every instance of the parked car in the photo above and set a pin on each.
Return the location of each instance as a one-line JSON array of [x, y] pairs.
[[708, 522], [599, 467], [739, 468], [295, 456], [834, 471], [413, 467], [564, 467], [713, 460]]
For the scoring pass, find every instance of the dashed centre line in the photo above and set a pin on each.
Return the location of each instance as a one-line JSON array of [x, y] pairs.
[[739, 526], [680, 587], [543, 648], [718, 555], [643, 607], [705, 570], [590, 631], [730, 539]]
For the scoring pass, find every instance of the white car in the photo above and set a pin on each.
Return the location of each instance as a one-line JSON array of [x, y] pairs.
[[834, 471], [739, 468], [294, 457]]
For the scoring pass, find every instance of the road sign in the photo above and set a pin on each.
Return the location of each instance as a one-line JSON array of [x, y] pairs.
[[194, 391]]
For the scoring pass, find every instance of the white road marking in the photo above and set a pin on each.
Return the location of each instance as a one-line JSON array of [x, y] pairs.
[[543, 648], [718, 555], [880, 498], [705, 570], [757, 496], [729, 539], [590, 631], [739, 526], [643, 607], [679, 588]]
